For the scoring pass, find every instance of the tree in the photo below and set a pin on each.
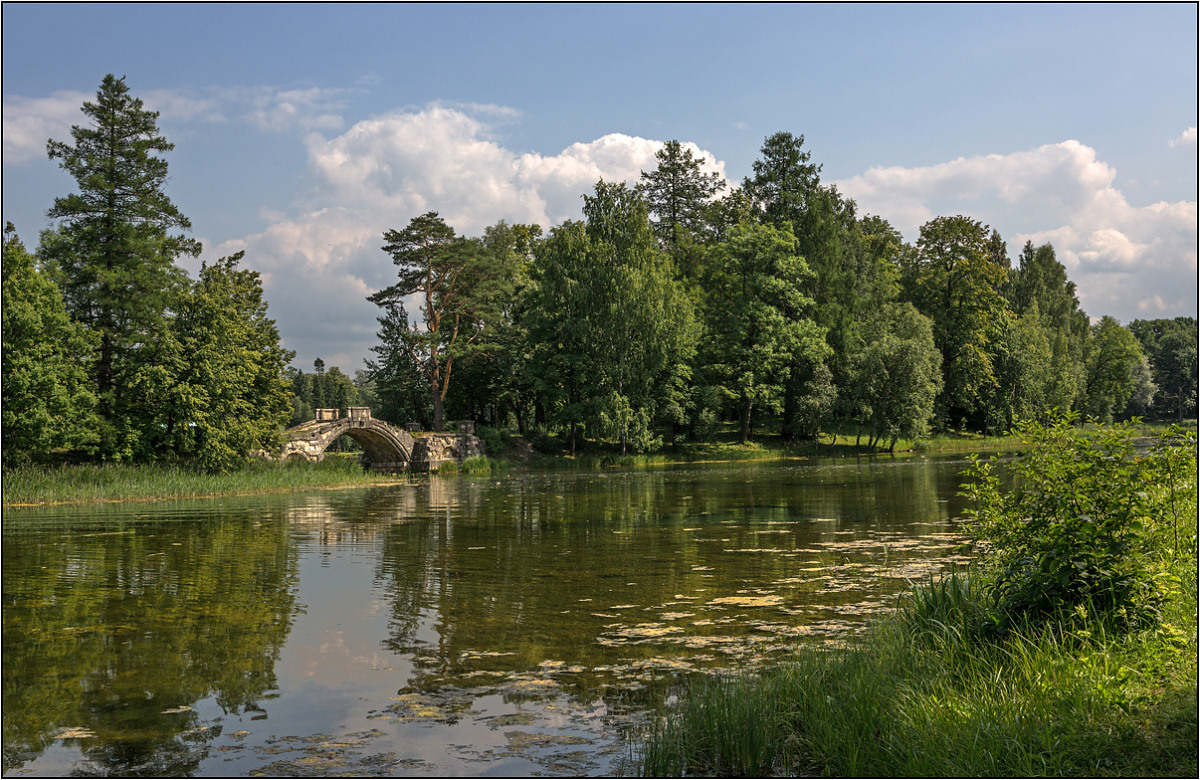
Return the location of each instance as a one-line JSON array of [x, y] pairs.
[[1040, 284], [47, 400], [457, 283], [113, 250], [679, 194], [1170, 346], [612, 329], [756, 320], [954, 279], [786, 190], [898, 375], [229, 393], [1111, 357]]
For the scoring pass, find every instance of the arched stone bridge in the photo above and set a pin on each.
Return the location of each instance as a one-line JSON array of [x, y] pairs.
[[385, 447]]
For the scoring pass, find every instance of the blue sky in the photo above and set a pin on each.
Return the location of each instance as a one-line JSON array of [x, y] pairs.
[[302, 132]]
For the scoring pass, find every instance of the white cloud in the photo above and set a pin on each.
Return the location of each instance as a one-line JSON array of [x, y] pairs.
[[1126, 260], [1186, 142], [29, 122], [378, 175]]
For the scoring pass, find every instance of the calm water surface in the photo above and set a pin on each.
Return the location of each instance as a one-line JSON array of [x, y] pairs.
[[458, 626]]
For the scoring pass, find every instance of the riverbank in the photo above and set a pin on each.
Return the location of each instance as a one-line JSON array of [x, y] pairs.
[[957, 682], [108, 482], [919, 699], [111, 482], [95, 483]]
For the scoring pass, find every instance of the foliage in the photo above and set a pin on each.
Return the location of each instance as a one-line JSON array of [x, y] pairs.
[[1171, 347], [47, 400], [612, 330], [112, 253], [955, 280], [230, 395], [678, 194], [459, 285], [755, 318], [1112, 356], [898, 376], [1080, 536]]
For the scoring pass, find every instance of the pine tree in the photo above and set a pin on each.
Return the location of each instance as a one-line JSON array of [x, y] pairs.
[[113, 251]]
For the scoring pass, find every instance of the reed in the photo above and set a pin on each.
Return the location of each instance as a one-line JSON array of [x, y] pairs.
[[31, 485]]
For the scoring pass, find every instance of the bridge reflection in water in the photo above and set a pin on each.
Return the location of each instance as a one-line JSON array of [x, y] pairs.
[[386, 448]]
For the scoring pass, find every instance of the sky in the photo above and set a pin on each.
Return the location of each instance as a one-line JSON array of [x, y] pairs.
[[303, 132]]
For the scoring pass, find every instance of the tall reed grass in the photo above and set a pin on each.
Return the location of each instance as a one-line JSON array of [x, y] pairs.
[[27, 485]]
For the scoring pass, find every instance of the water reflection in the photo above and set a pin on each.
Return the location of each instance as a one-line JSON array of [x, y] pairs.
[[458, 625], [111, 635]]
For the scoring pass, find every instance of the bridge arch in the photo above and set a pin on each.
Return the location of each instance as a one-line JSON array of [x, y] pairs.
[[385, 447]]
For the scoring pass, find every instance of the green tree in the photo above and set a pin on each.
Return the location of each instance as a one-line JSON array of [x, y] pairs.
[[229, 394], [756, 319], [954, 279], [1171, 348], [786, 190], [47, 399], [898, 375], [613, 330], [679, 195], [1040, 282], [456, 281], [1112, 355], [403, 393], [113, 251]]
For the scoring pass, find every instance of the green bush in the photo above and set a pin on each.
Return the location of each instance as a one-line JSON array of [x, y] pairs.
[[1087, 533], [494, 441]]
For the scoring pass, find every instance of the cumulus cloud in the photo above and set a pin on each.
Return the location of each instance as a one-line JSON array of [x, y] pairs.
[[1186, 142], [1128, 261], [29, 122], [378, 175]]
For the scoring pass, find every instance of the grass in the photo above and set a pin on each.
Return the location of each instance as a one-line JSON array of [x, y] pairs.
[[83, 483], [938, 689], [920, 698]]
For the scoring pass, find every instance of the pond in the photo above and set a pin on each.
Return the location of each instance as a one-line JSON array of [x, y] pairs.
[[512, 625]]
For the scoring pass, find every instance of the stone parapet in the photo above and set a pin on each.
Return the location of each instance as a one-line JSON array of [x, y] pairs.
[[431, 450]]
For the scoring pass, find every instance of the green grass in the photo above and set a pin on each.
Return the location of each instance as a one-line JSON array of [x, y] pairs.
[[28, 485], [919, 697], [939, 689]]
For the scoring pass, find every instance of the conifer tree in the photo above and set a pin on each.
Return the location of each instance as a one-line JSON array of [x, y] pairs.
[[114, 247]]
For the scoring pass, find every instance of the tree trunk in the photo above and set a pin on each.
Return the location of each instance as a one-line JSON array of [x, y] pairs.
[[437, 409], [791, 395], [747, 405]]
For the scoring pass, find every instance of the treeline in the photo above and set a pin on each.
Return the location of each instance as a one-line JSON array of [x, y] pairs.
[[110, 350], [673, 307]]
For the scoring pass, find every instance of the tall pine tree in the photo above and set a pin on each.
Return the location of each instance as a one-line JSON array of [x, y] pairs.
[[113, 250]]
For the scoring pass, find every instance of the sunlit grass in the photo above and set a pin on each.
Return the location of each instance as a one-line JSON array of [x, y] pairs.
[[27, 485], [932, 690]]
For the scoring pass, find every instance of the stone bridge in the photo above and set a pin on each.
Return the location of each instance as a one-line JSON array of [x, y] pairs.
[[385, 447]]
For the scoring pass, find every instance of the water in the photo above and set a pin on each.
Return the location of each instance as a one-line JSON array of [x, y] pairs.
[[526, 624]]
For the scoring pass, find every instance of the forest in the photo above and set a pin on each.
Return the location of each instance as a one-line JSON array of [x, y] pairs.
[[673, 310]]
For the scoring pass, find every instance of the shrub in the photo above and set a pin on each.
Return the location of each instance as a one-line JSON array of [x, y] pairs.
[[1086, 532], [494, 441]]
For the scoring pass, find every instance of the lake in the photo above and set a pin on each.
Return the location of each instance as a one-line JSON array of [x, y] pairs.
[[465, 626]]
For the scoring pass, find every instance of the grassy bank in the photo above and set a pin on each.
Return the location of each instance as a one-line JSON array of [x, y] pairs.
[[920, 698], [1071, 650], [84, 483]]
